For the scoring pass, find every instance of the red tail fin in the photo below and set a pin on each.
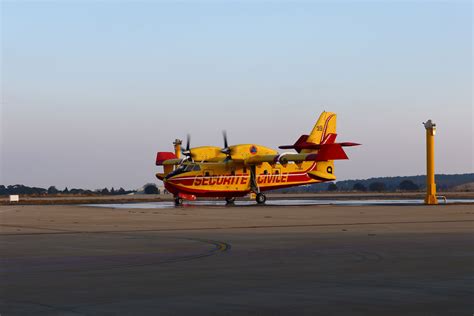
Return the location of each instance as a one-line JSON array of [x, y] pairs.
[[299, 145], [329, 139], [331, 152]]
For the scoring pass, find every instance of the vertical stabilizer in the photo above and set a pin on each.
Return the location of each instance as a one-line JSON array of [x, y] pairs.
[[324, 132], [325, 125]]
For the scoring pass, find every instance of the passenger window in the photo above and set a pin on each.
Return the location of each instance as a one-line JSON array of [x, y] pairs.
[[232, 173], [265, 171], [244, 170], [277, 171], [206, 174]]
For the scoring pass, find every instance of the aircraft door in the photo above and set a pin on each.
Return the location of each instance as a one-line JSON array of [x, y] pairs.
[[277, 176]]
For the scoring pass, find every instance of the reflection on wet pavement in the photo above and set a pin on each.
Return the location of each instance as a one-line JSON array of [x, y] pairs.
[[289, 202]]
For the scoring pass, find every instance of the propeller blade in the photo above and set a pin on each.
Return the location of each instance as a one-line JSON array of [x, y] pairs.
[[188, 141], [224, 134], [226, 149], [187, 150]]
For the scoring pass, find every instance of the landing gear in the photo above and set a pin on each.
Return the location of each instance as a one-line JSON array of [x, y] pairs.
[[260, 198], [178, 201], [229, 200]]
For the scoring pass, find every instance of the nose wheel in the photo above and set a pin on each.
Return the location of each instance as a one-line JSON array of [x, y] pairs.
[[260, 198], [178, 201], [229, 200]]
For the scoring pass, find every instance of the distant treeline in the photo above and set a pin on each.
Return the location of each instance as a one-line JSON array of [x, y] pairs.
[[444, 182], [52, 190]]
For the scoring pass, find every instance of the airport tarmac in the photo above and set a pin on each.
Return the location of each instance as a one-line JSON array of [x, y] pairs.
[[250, 260]]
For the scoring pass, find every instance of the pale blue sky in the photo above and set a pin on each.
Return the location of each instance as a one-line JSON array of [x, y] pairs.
[[91, 90]]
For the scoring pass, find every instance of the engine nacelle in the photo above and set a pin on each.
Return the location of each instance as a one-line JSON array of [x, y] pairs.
[[207, 153], [242, 152]]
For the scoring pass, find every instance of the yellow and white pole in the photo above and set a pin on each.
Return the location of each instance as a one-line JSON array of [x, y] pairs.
[[430, 198]]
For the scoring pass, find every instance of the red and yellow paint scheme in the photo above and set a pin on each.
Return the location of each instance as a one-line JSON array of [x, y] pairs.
[[238, 170]]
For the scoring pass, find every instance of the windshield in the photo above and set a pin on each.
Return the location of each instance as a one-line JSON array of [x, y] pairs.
[[179, 170], [182, 169]]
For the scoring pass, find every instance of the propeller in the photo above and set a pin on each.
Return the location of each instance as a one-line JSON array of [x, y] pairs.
[[226, 150], [187, 152]]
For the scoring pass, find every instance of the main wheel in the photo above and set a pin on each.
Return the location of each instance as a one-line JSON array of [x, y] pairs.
[[178, 201], [229, 200], [260, 198]]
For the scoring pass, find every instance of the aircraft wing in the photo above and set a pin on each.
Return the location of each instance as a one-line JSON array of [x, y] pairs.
[[326, 152], [283, 159], [258, 159], [171, 162]]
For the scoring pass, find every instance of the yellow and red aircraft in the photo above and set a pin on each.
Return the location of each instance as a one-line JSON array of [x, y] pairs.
[[238, 170]]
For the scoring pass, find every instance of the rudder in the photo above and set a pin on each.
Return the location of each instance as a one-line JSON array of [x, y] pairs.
[[324, 132], [325, 125]]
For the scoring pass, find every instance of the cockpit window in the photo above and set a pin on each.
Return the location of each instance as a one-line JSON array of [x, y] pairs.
[[178, 170], [182, 169], [192, 168]]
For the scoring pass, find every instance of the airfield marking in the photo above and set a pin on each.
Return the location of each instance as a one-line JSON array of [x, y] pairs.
[[64, 232], [219, 247]]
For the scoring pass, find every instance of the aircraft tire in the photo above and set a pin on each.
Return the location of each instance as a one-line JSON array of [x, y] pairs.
[[178, 201], [229, 200], [260, 198]]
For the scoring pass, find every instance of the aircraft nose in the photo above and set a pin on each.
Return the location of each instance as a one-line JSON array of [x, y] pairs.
[[169, 180]]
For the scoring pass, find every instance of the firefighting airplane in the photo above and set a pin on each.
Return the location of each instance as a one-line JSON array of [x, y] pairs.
[[238, 170]]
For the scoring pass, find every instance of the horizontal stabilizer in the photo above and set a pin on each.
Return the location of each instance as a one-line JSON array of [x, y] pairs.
[[298, 145], [301, 143], [349, 144], [331, 152]]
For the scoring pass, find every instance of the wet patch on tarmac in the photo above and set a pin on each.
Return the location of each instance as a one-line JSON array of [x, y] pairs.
[[288, 202]]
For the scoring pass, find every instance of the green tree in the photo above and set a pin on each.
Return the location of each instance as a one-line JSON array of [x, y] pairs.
[[408, 185], [151, 189], [377, 186], [53, 190], [332, 187], [359, 187]]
